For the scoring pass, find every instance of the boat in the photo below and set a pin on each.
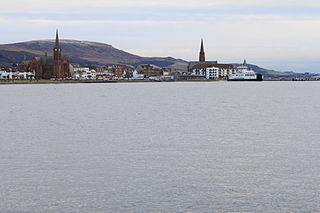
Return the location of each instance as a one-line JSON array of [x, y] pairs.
[[245, 74]]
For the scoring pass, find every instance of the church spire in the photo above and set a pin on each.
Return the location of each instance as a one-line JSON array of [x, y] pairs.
[[57, 58], [57, 46], [202, 56]]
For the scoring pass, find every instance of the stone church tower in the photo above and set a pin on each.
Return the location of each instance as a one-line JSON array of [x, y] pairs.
[[48, 67], [57, 58], [202, 57]]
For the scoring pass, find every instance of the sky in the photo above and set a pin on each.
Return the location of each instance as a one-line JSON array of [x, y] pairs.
[[277, 34]]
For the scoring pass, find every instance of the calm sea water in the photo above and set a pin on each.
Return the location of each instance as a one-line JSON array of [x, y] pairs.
[[160, 147]]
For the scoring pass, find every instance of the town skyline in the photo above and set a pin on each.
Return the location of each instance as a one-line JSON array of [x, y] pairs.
[[278, 35], [57, 67]]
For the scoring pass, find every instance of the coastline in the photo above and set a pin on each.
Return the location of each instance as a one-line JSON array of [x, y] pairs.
[[24, 82], [11, 82]]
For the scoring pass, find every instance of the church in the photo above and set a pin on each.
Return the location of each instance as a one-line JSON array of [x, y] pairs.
[[202, 60], [210, 69], [48, 67]]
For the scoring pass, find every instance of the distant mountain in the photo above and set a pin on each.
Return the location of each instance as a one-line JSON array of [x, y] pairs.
[[83, 52]]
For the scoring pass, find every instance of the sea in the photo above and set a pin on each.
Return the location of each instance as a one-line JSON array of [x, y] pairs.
[[163, 147]]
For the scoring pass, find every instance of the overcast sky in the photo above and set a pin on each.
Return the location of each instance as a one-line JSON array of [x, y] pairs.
[[278, 34]]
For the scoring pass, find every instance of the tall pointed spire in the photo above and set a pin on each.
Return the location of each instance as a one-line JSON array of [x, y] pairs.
[[202, 48], [57, 46], [245, 62], [202, 56], [57, 58]]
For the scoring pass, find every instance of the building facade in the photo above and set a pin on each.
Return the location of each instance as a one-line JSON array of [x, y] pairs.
[[216, 71]]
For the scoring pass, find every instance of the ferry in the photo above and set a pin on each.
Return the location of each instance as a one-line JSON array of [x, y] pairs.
[[245, 74]]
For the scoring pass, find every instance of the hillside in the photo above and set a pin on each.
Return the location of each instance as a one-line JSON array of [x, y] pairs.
[[83, 52]]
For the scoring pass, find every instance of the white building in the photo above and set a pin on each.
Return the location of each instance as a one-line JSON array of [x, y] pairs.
[[23, 75], [212, 73], [16, 75], [92, 74], [84, 73], [71, 69], [6, 75], [216, 71], [136, 75]]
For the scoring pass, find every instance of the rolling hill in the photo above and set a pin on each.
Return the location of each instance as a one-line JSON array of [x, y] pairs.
[[83, 52]]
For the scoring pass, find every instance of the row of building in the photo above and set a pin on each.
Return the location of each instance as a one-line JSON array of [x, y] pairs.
[[58, 67], [78, 72], [121, 71]]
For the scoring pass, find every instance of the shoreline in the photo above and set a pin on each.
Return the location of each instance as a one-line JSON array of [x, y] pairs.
[[24, 82], [11, 82]]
